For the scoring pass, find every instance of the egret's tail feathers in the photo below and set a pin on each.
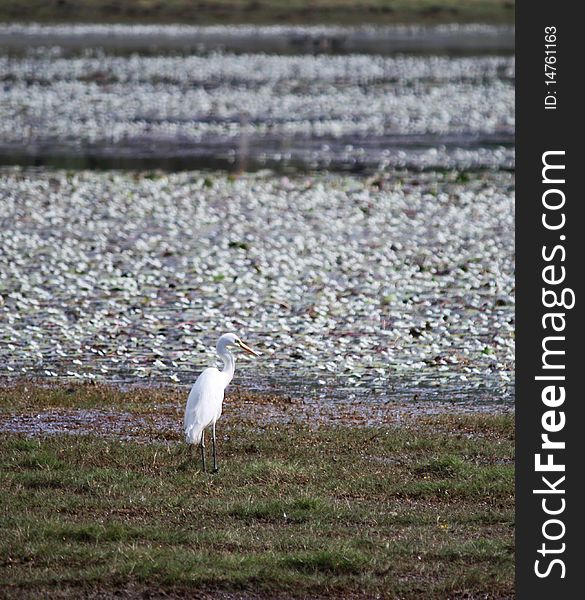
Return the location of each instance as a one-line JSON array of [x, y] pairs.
[[193, 434]]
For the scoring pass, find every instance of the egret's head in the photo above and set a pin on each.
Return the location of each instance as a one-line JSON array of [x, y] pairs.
[[231, 339]]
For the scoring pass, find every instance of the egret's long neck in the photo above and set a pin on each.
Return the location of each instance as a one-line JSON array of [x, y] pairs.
[[229, 364]]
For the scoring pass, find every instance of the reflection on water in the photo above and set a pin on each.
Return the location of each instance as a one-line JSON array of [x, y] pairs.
[[159, 39], [289, 155]]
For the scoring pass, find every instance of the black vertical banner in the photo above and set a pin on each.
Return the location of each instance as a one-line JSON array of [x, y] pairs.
[[550, 266]]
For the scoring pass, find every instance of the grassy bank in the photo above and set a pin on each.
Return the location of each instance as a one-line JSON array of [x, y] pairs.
[[208, 12], [420, 510]]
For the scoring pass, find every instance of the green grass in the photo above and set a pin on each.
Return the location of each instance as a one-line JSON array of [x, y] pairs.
[[420, 511], [259, 11]]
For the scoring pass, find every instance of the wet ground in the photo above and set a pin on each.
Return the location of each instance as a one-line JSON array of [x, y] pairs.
[[156, 413], [165, 425]]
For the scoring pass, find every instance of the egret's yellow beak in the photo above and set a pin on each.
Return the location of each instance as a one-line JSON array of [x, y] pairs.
[[247, 348]]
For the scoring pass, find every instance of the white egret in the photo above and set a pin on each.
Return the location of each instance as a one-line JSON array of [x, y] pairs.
[[206, 397]]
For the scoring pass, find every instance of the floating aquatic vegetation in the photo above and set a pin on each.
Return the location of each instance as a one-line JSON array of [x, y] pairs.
[[399, 287], [345, 111]]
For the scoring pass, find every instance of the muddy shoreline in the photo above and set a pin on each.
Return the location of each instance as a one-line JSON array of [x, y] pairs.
[[146, 414]]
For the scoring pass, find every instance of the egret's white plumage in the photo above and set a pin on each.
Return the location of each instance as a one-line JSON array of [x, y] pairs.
[[204, 403], [205, 400]]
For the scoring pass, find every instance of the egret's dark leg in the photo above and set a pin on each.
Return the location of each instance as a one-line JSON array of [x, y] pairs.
[[202, 445], [215, 467]]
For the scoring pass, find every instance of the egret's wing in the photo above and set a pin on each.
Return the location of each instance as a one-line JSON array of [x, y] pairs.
[[204, 402]]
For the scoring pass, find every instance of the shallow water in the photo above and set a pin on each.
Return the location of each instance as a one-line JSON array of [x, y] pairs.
[[396, 285], [158, 39], [399, 287], [81, 103]]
